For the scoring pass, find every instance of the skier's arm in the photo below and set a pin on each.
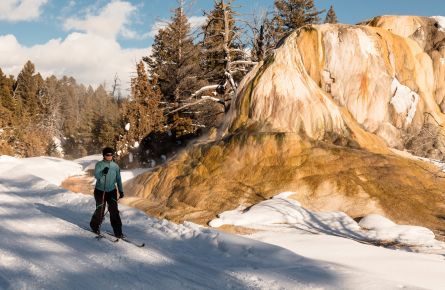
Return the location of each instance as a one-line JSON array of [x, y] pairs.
[[119, 180], [98, 171]]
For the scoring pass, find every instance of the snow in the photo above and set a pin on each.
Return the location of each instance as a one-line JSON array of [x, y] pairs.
[[304, 232], [43, 247], [50, 169], [58, 144], [286, 212], [383, 229], [375, 222], [127, 127], [404, 100], [128, 174], [89, 162]]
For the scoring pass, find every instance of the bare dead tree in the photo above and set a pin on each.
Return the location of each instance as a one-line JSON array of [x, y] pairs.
[[235, 60], [116, 88]]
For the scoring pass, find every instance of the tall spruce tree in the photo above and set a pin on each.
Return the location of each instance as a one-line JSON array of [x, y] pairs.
[[331, 17], [175, 58], [292, 14], [175, 62]]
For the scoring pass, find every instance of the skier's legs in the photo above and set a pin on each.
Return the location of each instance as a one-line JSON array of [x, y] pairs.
[[98, 215], [115, 218]]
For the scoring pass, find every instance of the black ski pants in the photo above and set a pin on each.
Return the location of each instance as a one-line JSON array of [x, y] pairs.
[[98, 216]]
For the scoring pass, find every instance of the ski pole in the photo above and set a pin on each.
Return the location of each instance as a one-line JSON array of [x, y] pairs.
[[102, 214]]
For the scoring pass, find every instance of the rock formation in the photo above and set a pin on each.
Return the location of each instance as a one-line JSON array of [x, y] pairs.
[[321, 117]]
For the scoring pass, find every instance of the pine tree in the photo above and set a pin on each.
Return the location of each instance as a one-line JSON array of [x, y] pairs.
[[6, 114], [72, 95], [103, 123], [51, 111], [175, 62], [61, 109], [26, 91], [142, 114], [175, 59], [331, 17], [262, 40], [7, 104], [292, 14]]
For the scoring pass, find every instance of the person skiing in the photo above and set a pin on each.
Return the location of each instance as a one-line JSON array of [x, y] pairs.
[[107, 174]]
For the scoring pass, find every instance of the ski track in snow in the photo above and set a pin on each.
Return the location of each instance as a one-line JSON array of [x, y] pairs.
[[43, 247]]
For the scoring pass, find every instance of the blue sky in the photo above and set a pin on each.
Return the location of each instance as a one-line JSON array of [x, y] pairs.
[[76, 37]]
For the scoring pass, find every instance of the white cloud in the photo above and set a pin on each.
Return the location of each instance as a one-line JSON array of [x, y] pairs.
[[158, 25], [197, 21], [20, 10], [92, 56], [89, 58], [110, 22]]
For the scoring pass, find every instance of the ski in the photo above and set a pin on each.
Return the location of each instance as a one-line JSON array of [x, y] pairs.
[[127, 240], [111, 239], [101, 236], [140, 245]]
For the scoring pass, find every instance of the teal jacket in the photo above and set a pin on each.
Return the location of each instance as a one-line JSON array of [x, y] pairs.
[[113, 176]]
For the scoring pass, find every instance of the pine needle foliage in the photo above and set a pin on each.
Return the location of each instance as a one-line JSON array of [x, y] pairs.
[[293, 14], [331, 17]]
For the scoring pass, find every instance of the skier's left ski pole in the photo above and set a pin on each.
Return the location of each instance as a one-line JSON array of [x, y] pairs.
[[102, 214]]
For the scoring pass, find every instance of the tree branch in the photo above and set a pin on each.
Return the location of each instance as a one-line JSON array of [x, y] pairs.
[[246, 62], [203, 99], [203, 89]]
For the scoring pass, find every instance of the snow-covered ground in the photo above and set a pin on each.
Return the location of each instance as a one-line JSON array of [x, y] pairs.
[[42, 244]]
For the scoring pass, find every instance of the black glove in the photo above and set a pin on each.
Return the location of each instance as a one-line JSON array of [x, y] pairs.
[[121, 194], [105, 170]]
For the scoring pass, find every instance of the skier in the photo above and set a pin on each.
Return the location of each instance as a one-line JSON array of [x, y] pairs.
[[107, 174]]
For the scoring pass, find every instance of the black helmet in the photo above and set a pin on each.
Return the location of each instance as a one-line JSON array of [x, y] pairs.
[[107, 150]]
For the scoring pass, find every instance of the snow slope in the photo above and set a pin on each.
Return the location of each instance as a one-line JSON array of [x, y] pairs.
[[281, 211], [42, 246]]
